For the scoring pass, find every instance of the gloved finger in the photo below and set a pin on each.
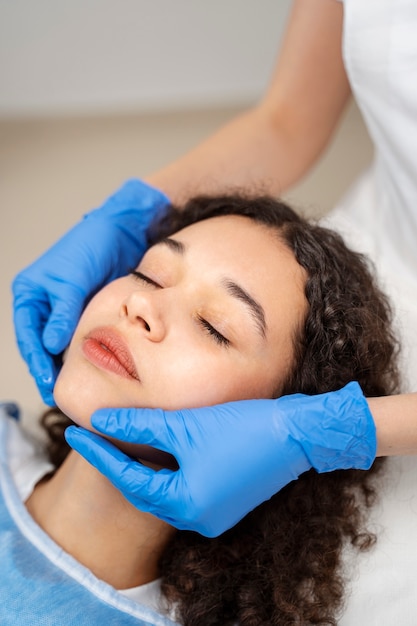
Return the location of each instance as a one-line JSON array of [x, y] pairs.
[[45, 381], [109, 460], [147, 426], [61, 323], [28, 320], [139, 484]]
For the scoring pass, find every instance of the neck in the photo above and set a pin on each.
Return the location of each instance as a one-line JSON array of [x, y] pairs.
[[90, 519]]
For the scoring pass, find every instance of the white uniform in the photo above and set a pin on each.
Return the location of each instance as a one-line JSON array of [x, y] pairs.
[[379, 216]]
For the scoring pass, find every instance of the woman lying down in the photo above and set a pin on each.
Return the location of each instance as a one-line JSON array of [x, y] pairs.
[[236, 298]]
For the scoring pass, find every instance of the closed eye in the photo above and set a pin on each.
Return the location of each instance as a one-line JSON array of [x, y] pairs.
[[213, 332], [143, 278]]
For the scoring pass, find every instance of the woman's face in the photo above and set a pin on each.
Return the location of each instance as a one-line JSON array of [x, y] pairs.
[[210, 318]]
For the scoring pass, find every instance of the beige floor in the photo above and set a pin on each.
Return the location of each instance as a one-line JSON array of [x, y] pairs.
[[53, 171]]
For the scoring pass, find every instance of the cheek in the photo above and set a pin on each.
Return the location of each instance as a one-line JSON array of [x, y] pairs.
[[106, 302], [196, 382], [105, 305]]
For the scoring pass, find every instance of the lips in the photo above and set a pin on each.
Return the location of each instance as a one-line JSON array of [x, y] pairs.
[[106, 349]]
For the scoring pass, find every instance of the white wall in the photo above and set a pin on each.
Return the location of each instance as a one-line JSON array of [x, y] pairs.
[[110, 56]]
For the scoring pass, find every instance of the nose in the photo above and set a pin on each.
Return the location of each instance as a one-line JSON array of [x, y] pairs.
[[144, 310]]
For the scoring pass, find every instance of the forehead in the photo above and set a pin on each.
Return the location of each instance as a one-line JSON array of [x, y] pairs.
[[222, 231], [251, 253], [238, 239]]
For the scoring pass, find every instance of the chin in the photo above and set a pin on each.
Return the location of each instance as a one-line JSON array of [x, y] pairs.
[[80, 419], [72, 406], [78, 399]]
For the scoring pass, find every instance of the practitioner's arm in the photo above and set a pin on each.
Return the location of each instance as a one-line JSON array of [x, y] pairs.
[[396, 424], [274, 144]]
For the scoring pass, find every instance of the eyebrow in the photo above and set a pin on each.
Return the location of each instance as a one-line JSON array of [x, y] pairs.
[[176, 246], [255, 308], [236, 291]]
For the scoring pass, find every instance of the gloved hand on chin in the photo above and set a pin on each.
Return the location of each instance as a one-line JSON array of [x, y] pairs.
[[231, 457], [50, 294]]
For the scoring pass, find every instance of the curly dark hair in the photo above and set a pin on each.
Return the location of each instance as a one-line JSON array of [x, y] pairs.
[[282, 564]]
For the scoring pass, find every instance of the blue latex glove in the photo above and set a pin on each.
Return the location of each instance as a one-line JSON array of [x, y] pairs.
[[233, 456], [50, 294]]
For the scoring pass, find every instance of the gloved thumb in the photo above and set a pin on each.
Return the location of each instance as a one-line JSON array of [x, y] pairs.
[[154, 427]]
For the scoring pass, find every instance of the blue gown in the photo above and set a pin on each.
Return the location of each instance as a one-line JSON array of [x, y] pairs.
[[40, 584]]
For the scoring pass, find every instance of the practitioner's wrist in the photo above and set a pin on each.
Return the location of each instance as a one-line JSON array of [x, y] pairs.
[[336, 430]]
